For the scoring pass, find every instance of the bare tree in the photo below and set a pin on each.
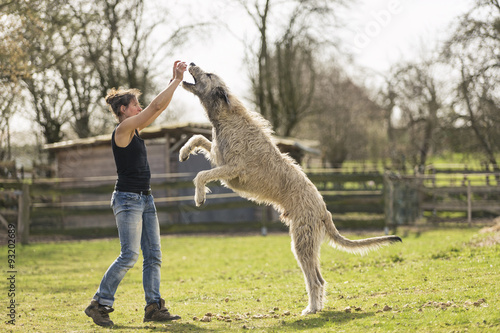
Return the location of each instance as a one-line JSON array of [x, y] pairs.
[[42, 22], [289, 83], [418, 95], [9, 98], [473, 52], [283, 82], [385, 97], [82, 94], [44, 38], [14, 65], [296, 82], [14, 46], [49, 103], [346, 122]]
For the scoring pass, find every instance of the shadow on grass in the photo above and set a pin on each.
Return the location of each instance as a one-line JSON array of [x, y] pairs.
[[171, 327], [325, 317]]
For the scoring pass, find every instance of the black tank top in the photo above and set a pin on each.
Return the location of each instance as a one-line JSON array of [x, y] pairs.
[[131, 165]]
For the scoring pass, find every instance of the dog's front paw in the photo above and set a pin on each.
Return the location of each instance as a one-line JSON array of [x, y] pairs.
[[183, 154], [199, 198]]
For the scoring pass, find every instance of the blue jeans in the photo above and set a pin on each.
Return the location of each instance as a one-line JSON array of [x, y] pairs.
[[138, 228]]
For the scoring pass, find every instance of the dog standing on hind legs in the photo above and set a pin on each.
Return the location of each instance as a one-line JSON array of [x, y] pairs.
[[245, 159]]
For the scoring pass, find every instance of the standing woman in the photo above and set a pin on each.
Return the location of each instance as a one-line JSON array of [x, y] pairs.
[[133, 204]]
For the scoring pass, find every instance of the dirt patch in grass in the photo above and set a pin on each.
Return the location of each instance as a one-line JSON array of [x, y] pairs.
[[493, 233], [495, 228]]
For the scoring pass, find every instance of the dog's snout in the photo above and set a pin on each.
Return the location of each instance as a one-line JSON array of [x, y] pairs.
[[192, 64]]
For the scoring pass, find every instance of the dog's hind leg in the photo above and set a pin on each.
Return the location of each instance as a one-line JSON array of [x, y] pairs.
[[196, 141], [322, 294], [305, 246]]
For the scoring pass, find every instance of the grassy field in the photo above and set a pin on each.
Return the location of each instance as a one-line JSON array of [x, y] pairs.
[[435, 281]]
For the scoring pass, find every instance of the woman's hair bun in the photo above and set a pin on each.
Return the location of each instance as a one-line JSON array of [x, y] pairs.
[[118, 97]]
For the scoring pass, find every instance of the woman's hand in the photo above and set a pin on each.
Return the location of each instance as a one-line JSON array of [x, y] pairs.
[[179, 69]]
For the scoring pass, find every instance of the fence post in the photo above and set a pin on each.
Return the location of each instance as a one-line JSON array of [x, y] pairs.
[[389, 204], [469, 204], [23, 216], [264, 219]]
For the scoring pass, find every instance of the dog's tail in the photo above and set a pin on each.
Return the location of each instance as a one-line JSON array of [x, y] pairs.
[[360, 246]]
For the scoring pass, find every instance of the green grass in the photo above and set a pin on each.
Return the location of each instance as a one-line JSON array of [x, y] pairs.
[[429, 283]]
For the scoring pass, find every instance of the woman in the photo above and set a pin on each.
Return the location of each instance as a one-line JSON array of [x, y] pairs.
[[133, 204]]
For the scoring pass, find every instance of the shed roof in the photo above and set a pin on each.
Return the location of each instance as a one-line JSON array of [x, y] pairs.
[[177, 131], [151, 132]]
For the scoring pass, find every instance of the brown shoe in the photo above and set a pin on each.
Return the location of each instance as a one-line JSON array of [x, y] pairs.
[[99, 314], [158, 312]]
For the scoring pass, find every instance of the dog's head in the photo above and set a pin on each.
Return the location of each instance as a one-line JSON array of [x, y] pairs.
[[211, 90]]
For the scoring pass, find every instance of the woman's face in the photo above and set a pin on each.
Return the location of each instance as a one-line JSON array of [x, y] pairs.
[[132, 109]]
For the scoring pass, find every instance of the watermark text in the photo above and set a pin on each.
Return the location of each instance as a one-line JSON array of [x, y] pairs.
[[11, 275], [380, 19]]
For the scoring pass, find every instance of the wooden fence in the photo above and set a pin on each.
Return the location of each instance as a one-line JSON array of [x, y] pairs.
[[369, 199], [471, 193], [445, 195]]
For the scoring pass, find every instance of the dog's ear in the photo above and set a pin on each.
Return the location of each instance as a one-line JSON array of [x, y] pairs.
[[222, 94]]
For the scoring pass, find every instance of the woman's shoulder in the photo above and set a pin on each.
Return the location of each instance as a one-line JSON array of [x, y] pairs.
[[122, 137]]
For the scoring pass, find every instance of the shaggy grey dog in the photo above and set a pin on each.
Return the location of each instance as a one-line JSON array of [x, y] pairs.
[[246, 160]]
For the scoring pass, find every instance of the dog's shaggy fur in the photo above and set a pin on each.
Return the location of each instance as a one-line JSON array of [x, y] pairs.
[[246, 160]]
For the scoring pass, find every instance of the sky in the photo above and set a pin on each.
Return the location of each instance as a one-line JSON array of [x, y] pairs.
[[378, 34], [389, 30]]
